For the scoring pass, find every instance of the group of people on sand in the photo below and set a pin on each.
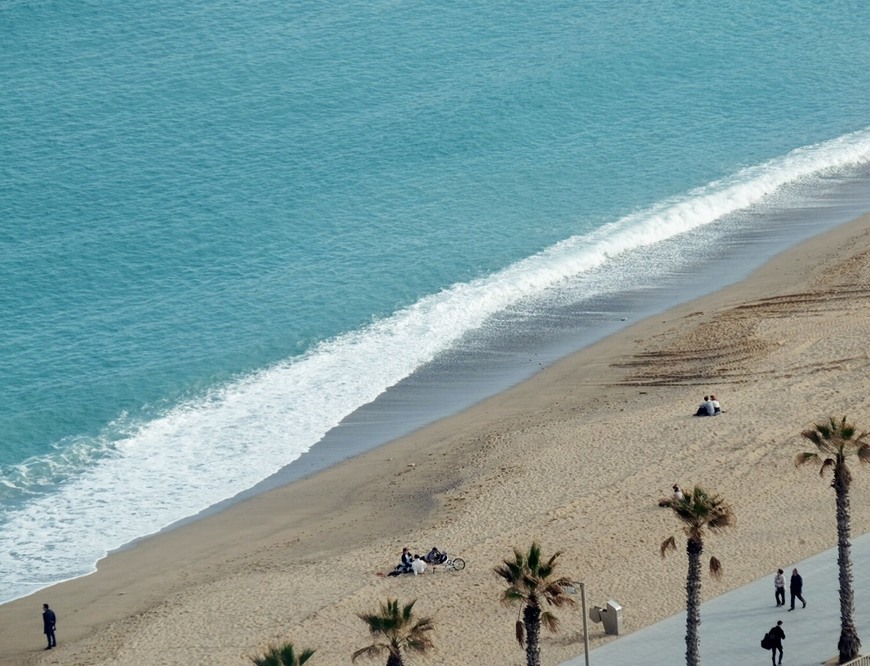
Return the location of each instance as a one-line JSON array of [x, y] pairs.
[[774, 638], [709, 406], [415, 564]]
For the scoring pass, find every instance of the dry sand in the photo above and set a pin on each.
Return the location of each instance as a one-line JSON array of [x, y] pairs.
[[576, 458]]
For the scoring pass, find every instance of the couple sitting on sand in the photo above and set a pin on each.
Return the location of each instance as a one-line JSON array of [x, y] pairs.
[[710, 406]]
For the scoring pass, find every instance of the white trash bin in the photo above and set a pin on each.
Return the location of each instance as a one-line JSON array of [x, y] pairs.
[[611, 616]]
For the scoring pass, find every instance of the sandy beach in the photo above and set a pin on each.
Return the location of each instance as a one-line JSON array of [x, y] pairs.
[[576, 458]]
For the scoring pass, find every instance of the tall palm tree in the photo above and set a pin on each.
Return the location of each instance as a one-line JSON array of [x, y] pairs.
[[282, 655], [835, 442], [699, 512], [531, 581], [396, 630]]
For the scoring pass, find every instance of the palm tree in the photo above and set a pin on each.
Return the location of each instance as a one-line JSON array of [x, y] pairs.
[[530, 582], [835, 442], [394, 630], [699, 512], [282, 655]]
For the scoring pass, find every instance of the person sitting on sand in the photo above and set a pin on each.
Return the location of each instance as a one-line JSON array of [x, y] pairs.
[[405, 565], [717, 408], [676, 497], [418, 566]]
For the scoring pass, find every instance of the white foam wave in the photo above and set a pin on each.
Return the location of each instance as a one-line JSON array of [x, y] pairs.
[[207, 450]]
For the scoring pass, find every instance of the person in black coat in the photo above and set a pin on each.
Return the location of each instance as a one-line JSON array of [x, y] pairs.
[[777, 636], [796, 587], [49, 620], [404, 566]]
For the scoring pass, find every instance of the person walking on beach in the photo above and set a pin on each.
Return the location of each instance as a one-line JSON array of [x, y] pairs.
[[796, 587], [777, 636], [49, 620], [779, 588]]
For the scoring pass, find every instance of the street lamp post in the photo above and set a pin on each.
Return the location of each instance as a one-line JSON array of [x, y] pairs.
[[572, 590], [585, 626]]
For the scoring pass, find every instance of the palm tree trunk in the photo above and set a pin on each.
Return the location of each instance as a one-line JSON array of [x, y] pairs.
[[694, 548], [532, 621], [394, 660], [849, 643]]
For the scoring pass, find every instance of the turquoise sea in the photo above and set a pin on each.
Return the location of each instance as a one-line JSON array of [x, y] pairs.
[[235, 235]]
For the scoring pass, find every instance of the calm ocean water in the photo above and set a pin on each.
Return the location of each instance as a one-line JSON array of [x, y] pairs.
[[227, 227]]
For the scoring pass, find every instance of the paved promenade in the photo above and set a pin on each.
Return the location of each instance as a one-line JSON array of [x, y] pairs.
[[733, 624]]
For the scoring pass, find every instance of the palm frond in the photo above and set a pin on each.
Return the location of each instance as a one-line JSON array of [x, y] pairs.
[[814, 436], [268, 659], [371, 651], [550, 621], [512, 596], [544, 571], [555, 594], [510, 571], [715, 568], [520, 630], [845, 476], [828, 462], [424, 624], [407, 610], [863, 453], [534, 558], [805, 457], [419, 644], [282, 655], [721, 520], [288, 655], [668, 545], [845, 430], [826, 430]]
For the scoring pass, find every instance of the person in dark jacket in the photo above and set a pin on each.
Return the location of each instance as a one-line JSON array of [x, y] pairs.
[[796, 587], [777, 636], [48, 623], [404, 566]]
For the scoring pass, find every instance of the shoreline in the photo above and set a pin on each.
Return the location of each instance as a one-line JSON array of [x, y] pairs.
[[299, 561], [433, 389]]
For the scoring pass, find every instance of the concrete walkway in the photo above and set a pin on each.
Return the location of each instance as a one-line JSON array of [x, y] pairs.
[[732, 625]]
